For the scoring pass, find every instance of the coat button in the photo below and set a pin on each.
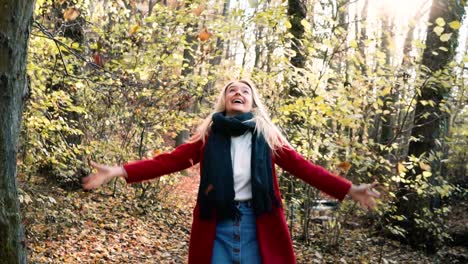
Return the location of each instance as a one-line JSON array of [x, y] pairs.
[[236, 250]]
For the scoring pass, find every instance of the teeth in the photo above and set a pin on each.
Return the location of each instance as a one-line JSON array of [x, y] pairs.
[[237, 101]]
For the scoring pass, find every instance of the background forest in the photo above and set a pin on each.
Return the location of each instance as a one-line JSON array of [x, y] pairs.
[[374, 90]]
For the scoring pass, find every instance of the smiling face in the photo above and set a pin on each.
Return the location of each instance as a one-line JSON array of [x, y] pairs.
[[238, 99]]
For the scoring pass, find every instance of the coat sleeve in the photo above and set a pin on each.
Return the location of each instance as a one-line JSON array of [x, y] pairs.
[[291, 161], [183, 157]]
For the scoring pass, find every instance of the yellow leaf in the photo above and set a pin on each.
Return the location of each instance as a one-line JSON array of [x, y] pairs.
[[427, 174], [353, 44], [445, 37], [305, 24], [440, 21], [424, 166], [380, 102], [401, 168], [71, 14], [455, 24], [438, 30], [288, 24], [133, 29], [386, 90]]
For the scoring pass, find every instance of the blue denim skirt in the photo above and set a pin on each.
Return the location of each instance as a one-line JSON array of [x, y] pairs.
[[236, 241]]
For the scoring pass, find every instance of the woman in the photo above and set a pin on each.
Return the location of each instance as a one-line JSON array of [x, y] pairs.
[[238, 217]]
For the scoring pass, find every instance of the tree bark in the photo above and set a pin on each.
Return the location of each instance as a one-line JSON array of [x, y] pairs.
[[388, 99], [428, 129], [297, 11], [188, 69], [15, 24], [430, 122]]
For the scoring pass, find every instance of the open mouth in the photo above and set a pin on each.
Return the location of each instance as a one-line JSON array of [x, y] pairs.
[[237, 101]]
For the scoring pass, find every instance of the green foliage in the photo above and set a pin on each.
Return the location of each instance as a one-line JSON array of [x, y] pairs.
[[116, 84]]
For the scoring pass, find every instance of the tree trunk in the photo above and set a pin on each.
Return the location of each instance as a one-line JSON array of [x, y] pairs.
[[428, 129], [15, 23], [388, 99], [430, 123], [297, 11], [216, 60], [188, 68]]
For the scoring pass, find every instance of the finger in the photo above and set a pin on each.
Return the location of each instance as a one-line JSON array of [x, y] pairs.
[[92, 184], [364, 207], [86, 186], [371, 203], [85, 179], [96, 165], [373, 193]]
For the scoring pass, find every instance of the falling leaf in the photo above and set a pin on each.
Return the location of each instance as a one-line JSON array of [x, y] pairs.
[[97, 59], [288, 24], [344, 166], [133, 29], [71, 14], [204, 35], [197, 11]]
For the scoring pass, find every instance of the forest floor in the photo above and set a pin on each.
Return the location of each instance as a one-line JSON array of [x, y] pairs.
[[99, 227]]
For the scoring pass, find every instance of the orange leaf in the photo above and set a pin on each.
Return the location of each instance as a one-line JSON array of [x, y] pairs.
[[197, 11], [204, 35], [98, 59], [424, 166], [401, 168], [71, 14], [133, 29], [344, 166]]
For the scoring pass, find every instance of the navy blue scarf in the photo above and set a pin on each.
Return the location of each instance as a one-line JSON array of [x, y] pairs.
[[216, 192]]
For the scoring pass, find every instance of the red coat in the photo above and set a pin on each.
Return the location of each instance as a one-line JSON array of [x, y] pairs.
[[272, 231]]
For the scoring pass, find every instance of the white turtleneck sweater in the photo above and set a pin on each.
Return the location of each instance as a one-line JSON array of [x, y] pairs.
[[241, 152]]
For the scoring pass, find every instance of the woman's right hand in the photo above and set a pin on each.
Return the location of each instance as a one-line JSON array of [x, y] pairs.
[[102, 175]]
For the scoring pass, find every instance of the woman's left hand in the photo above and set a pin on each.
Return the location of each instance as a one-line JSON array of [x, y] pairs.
[[364, 194]]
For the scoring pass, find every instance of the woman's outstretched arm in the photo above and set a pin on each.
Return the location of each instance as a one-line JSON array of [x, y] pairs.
[[317, 176], [183, 157], [102, 175]]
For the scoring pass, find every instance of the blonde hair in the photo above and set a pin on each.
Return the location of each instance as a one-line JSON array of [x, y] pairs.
[[263, 123]]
